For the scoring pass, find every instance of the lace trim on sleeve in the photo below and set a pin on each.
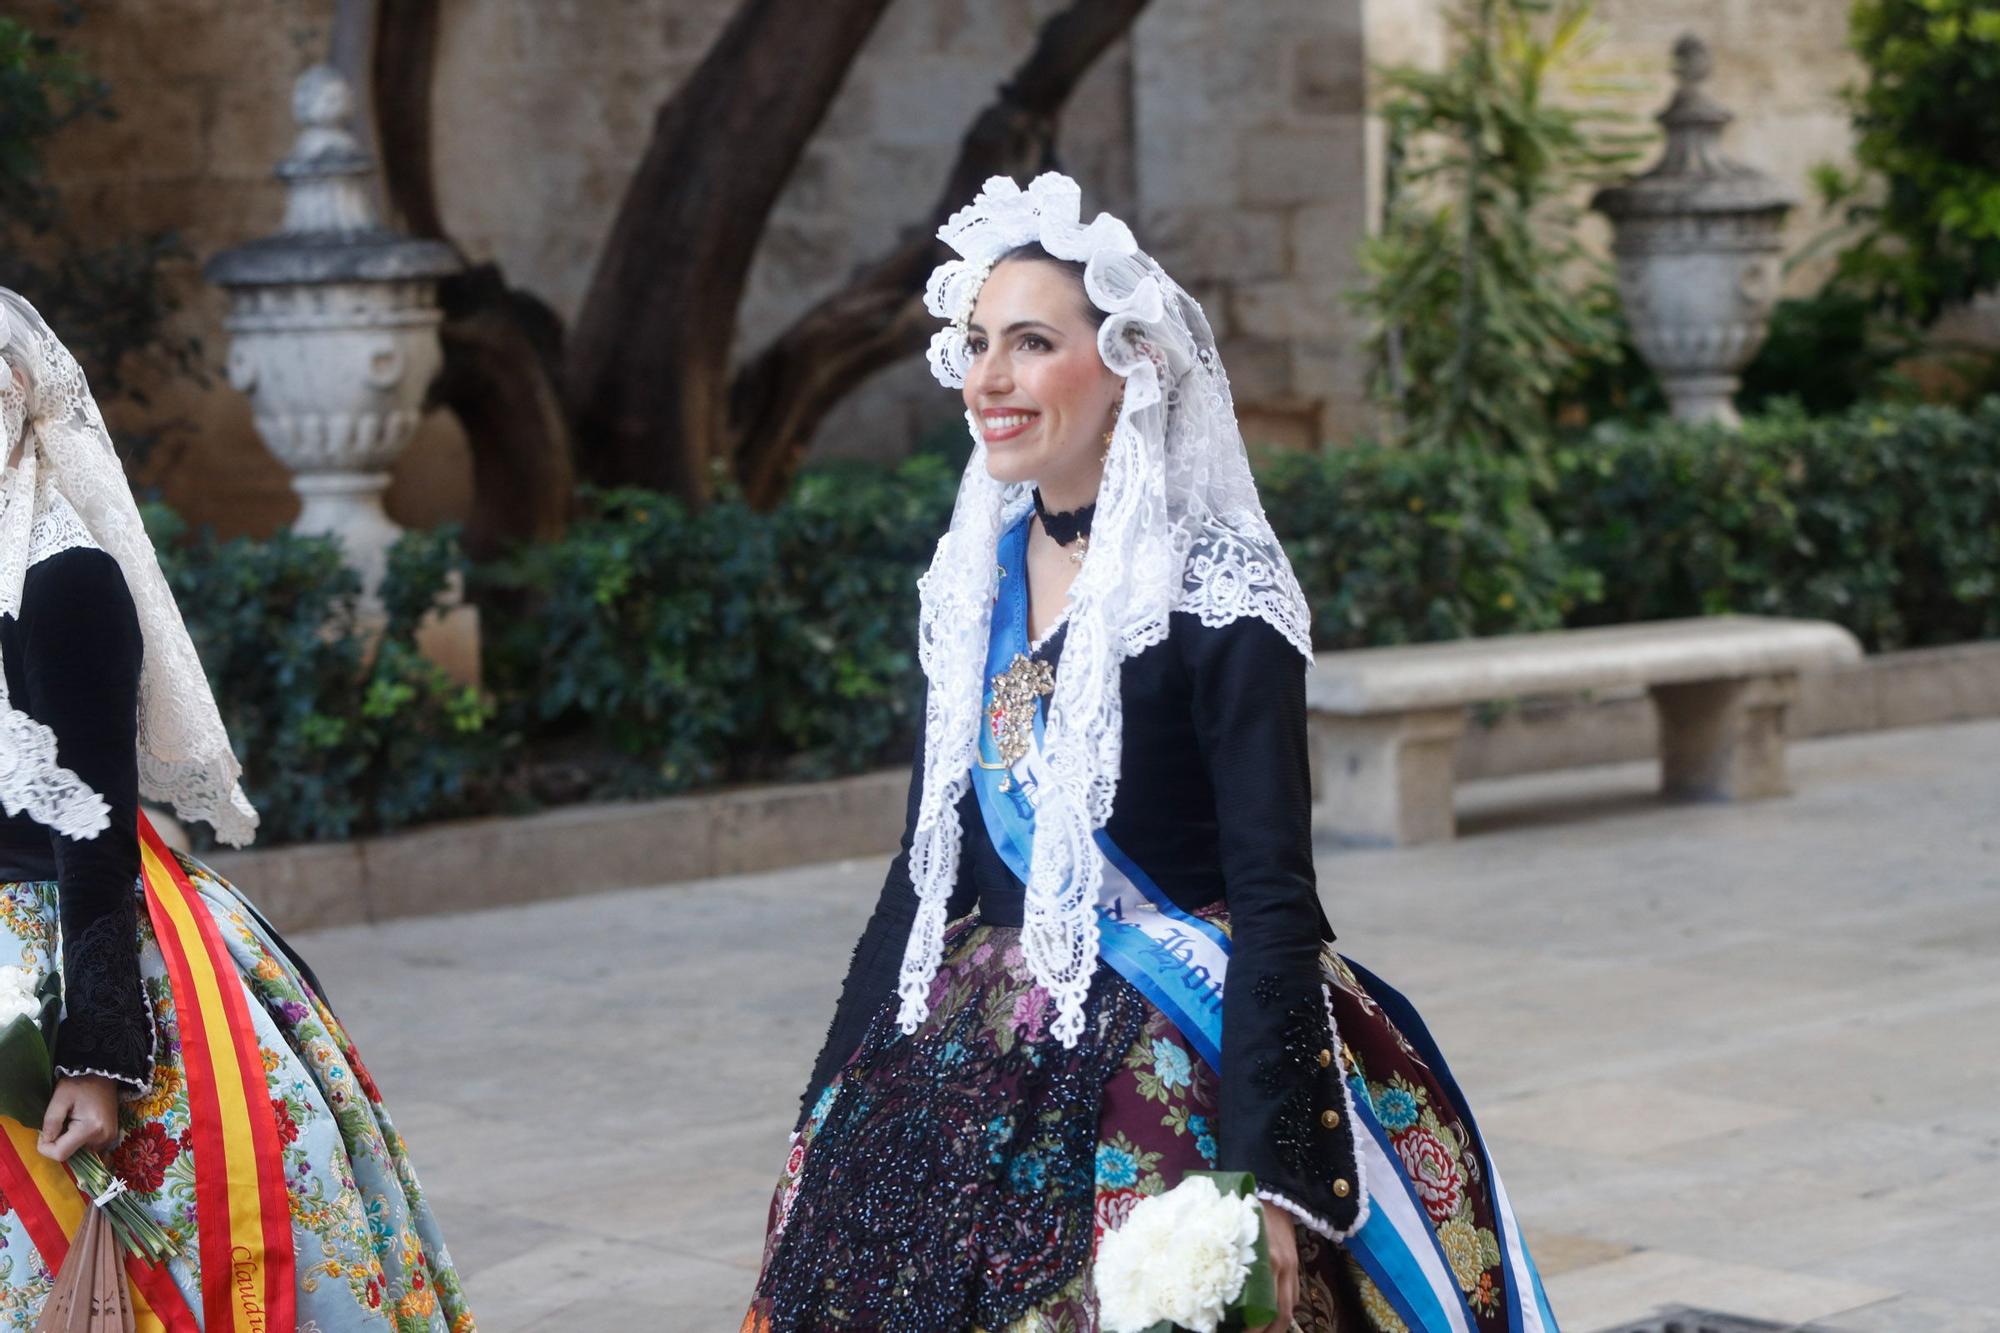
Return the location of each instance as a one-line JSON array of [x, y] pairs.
[[1305, 1216], [136, 1087], [58, 528]]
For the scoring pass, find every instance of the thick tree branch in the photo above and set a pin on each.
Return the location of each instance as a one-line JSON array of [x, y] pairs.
[[784, 392], [502, 347], [405, 64], [648, 360]]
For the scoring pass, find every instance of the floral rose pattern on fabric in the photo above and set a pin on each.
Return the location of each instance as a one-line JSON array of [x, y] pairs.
[[370, 1256], [1431, 1143]]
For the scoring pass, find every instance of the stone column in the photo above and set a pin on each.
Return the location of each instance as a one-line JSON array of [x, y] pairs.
[[1249, 128]]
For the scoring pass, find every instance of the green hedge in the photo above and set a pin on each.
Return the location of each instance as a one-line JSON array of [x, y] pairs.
[[1886, 521], [333, 742], [654, 650]]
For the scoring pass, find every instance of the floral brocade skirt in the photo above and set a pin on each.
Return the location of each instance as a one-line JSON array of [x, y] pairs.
[[370, 1258], [960, 1178]]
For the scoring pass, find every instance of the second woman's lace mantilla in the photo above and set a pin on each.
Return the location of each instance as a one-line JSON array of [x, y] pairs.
[[67, 488]]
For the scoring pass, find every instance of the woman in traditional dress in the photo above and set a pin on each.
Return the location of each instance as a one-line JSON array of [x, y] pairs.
[[1109, 816], [194, 1049]]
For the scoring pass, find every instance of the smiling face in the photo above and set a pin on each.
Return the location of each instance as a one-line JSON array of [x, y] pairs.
[[1042, 396]]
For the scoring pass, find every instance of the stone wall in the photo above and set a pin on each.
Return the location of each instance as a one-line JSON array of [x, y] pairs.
[[201, 88], [1250, 123], [1234, 136]]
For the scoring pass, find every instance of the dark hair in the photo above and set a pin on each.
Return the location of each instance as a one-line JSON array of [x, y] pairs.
[[1074, 267]]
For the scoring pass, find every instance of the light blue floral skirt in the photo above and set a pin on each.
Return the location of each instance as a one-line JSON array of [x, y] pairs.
[[370, 1256]]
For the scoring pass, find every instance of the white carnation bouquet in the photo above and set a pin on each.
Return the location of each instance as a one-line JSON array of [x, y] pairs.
[[1194, 1257]]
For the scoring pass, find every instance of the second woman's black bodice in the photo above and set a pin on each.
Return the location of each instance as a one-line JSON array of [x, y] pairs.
[[72, 660]]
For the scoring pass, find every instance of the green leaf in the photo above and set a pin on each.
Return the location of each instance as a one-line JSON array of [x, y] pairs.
[[1258, 1305], [1235, 1184], [26, 1079]]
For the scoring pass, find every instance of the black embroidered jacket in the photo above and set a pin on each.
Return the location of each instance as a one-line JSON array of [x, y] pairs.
[[72, 661], [1214, 802]]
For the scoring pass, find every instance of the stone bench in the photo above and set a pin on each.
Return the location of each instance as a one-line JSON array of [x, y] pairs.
[[1386, 721]]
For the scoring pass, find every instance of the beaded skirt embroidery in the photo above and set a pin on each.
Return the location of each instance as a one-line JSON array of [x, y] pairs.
[[959, 1179]]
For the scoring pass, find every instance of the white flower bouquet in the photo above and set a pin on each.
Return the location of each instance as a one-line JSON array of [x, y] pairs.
[[1194, 1257]]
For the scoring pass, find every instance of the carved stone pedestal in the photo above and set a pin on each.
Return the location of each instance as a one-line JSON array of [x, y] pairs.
[[333, 327]]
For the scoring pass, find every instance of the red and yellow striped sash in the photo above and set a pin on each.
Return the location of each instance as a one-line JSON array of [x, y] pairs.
[[49, 1204], [241, 1204]]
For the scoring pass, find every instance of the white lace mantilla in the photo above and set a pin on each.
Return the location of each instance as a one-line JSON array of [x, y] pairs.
[[57, 528], [66, 489], [1178, 527]]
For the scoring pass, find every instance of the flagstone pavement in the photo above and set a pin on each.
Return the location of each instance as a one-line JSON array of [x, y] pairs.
[[1739, 1057]]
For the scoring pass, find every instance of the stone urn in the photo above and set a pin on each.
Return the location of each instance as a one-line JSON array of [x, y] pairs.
[[1698, 249], [333, 327]]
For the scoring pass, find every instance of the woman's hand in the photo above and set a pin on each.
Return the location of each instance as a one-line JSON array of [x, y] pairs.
[[1283, 1243], [83, 1113]]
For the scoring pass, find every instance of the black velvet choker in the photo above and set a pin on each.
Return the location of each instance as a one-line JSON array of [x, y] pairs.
[[1065, 527]]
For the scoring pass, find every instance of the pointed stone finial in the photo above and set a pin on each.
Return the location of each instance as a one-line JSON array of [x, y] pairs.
[[1693, 174], [328, 169], [1692, 61]]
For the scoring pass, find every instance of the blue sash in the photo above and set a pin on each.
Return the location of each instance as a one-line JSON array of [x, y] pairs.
[[1180, 963], [1175, 960]]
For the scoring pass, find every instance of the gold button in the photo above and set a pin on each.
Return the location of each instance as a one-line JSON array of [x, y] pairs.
[[1325, 1059], [1342, 1189], [1331, 1119]]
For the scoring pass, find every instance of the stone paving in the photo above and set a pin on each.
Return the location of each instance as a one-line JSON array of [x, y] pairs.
[[1741, 1058]]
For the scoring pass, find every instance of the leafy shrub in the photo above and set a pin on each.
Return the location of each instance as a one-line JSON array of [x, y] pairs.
[[1399, 546], [636, 633], [1927, 116], [654, 649], [1829, 352], [107, 296], [1885, 520], [724, 644], [1481, 297], [334, 741], [845, 685]]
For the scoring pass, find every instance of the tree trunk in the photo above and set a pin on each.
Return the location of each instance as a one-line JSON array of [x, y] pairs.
[[502, 347], [786, 390], [404, 69], [502, 351], [649, 357]]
